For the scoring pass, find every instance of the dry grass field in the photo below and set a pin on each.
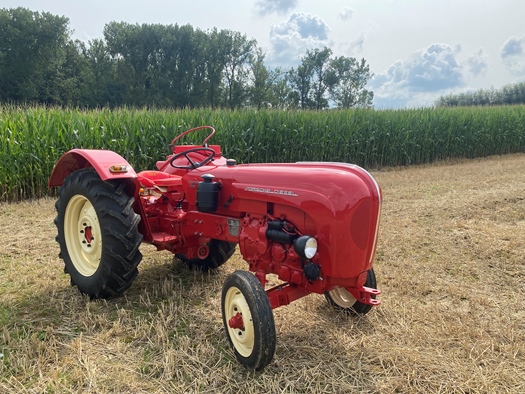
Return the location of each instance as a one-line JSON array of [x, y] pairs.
[[450, 263]]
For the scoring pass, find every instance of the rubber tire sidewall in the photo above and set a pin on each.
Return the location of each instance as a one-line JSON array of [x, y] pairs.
[[119, 231], [262, 318]]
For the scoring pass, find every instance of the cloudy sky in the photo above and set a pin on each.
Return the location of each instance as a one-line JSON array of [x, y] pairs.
[[417, 49]]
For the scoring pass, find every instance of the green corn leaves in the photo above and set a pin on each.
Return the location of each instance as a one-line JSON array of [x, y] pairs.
[[32, 139]]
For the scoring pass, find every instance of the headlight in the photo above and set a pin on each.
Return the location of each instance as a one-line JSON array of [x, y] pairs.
[[305, 246]]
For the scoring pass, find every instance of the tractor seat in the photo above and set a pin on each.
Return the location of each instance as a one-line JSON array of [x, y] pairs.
[[159, 179]]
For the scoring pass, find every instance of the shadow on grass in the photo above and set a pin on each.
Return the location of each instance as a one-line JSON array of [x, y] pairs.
[[183, 306], [59, 307]]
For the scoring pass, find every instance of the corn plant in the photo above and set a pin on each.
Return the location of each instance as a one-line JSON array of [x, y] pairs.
[[32, 139]]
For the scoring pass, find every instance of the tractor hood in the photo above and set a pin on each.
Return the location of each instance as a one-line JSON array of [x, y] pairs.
[[337, 203]]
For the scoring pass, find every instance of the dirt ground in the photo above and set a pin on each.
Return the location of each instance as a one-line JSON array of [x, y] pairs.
[[450, 264]]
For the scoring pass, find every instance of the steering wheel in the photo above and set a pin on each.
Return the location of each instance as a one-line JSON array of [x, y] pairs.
[[204, 143], [193, 164]]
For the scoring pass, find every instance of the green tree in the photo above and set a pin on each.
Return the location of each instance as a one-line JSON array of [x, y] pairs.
[[259, 89], [323, 77], [107, 75], [199, 77], [351, 77], [135, 46], [507, 95], [32, 52], [75, 75], [281, 94], [215, 63], [300, 81], [319, 78], [167, 66], [268, 88], [238, 53]]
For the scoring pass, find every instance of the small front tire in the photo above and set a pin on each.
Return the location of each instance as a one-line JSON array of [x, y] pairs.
[[248, 319]]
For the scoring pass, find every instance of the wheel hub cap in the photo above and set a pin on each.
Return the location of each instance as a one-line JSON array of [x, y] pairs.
[[240, 323], [342, 297], [83, 235]]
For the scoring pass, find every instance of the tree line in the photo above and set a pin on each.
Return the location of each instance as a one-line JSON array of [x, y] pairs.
[[164, 66], [508, 95]]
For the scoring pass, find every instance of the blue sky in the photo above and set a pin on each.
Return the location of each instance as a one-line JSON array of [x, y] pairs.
[[417, 49]]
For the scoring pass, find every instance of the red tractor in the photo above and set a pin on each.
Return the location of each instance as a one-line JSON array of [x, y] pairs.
[[312, 224]]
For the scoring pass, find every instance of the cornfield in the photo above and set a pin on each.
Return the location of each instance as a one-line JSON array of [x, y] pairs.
[[34, 138]]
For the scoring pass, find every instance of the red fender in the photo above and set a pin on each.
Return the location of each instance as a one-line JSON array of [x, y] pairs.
[[100, 160]]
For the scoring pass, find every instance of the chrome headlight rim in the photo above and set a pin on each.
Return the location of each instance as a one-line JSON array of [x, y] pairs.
[[306, 246]]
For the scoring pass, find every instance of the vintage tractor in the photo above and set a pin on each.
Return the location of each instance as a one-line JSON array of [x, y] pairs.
[[312, 224]]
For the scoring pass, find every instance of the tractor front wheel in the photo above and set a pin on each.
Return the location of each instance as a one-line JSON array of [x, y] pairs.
[[248, 320], [98, 235], [342, 300]]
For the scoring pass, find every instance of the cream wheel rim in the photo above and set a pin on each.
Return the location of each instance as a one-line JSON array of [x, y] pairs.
[[83, 235], [242, 338], [342, 297]]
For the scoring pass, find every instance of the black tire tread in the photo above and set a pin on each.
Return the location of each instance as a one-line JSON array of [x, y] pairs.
[[262, 316], [119, 226]]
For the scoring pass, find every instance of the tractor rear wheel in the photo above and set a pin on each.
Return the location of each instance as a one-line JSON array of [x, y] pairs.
[[248, 320], [98, 235], [220, 253], [342, 300]]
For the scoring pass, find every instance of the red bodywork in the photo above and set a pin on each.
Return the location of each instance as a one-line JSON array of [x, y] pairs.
[[337, 204]]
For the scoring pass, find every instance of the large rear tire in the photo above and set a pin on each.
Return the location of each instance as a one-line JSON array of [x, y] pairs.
[[342, 300], [220, 253], [98, 234]]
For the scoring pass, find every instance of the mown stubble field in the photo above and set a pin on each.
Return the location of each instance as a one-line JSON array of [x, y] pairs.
[[450, 263]]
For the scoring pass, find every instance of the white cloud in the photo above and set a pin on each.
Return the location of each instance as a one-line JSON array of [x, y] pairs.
[[426, 75], [513, 55], [306, 25], [477, 63], [346, 13], [290, 39], [352, 48], [265, 7], [512, 47], [356, 46]]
